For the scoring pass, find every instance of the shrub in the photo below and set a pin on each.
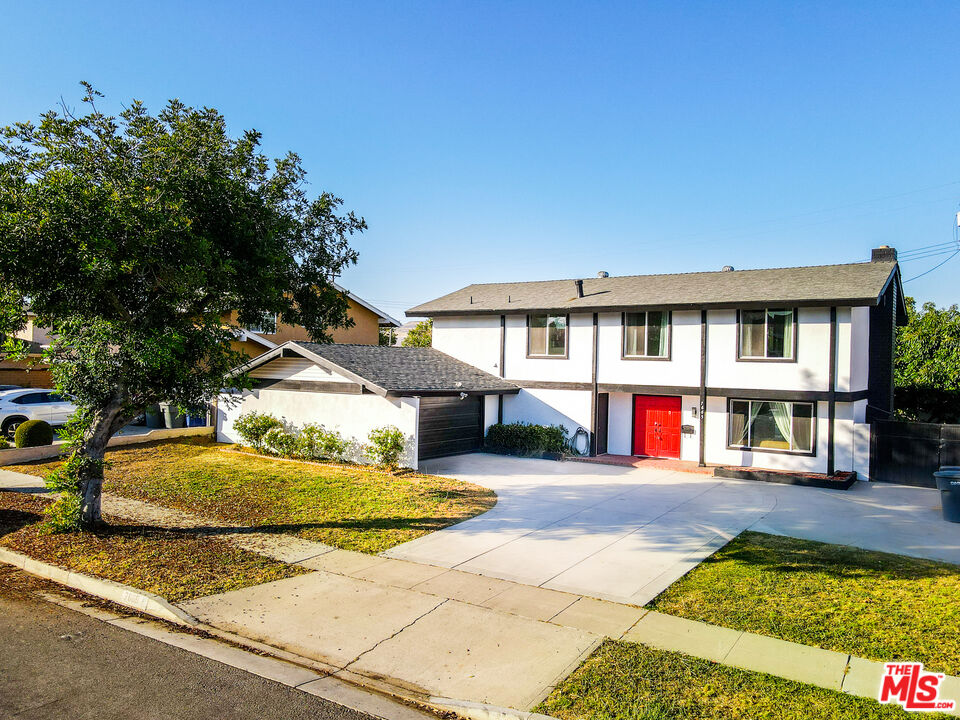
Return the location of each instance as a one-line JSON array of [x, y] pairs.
[[252, 427], [317, 443], [63, 515], [527, 439], [386, 446], [279, 442], [33, 433], [4, 443]]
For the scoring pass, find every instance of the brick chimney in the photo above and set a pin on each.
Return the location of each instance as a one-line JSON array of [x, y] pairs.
[[884, 253]]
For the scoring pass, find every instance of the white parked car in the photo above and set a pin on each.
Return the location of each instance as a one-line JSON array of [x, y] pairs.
[[17, 406]]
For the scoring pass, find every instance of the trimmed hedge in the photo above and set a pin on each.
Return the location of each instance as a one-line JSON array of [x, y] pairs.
[[33, 433], [527, 439]]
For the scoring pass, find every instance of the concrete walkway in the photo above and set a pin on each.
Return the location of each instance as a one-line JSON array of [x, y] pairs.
[[624, 534]]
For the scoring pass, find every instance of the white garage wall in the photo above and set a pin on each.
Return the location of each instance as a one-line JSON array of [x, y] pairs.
[[353, 416], [570, 408], [491, 407]]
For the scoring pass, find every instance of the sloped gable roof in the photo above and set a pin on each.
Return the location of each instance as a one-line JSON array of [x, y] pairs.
[[851, 284], [392, 370]]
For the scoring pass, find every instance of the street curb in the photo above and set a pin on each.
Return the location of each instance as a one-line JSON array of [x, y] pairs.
[[131, 597], [483, 711]]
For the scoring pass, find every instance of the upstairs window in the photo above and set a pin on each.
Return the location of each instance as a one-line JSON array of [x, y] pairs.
[[646, 334], [768, 334], [265, 325], [547, 335], [774, 426]]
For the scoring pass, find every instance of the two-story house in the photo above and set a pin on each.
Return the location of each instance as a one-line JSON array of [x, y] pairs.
[[780, 368]]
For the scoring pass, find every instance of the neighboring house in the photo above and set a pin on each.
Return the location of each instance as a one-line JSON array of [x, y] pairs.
[[781, 368], [272, 331], [28, 373], [253, 341], [437, 401]]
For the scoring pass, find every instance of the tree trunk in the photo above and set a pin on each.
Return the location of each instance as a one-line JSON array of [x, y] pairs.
[[105, 423]]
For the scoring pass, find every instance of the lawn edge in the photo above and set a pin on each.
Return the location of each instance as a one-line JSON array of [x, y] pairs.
[[125, 595]]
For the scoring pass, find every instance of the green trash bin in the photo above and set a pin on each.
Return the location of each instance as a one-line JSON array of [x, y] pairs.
[[948, 483], [153, 417], [172, 417]]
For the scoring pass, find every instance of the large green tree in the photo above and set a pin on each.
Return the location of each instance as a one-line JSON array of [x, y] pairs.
[[134, 237], [927, 364], [420, 335]]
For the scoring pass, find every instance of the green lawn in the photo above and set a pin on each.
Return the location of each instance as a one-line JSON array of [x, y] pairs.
[[173, 564], [351, 507], [875, 605], [627, 681]]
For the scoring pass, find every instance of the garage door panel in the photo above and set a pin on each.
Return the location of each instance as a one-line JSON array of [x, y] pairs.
[[449, 426]]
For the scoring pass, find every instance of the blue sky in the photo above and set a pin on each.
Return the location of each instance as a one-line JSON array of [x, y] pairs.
[[488, 142]]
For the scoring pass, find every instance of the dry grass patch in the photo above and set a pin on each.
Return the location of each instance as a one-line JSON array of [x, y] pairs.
[[176, 565], [348, 506]]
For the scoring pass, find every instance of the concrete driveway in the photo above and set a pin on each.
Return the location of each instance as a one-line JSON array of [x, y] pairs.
[[625, 534]]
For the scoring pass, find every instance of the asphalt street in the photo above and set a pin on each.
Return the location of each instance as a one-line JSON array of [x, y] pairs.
[[58, 663]]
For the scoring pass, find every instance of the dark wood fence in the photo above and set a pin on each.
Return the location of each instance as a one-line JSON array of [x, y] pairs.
[[909, 453]]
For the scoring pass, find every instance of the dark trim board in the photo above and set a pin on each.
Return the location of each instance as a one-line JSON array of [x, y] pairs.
[[446, 393], [747, 393]]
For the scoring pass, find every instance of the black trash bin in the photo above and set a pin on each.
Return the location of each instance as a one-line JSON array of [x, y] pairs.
[[948, 483]]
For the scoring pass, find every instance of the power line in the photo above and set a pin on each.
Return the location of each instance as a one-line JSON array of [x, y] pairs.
[[957, 252]]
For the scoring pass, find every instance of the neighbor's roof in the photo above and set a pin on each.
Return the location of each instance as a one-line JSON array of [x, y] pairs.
[[382, 317], [852, 284], [392, 370]]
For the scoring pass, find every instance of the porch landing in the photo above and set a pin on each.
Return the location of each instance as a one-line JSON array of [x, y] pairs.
[[646, 462]]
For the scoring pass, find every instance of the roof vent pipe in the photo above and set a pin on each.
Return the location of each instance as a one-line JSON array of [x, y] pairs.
[[579, 284], [727, 268]]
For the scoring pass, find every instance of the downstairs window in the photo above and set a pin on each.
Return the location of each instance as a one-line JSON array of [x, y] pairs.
[[768, 425]]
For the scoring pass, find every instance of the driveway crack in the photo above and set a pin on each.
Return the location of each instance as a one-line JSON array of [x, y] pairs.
[[391, 637]]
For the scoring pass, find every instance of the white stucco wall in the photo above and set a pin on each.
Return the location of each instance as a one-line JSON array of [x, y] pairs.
[[570, 408], [809, 372], [491, 407], [859, 348], [575, 368], [353, 416], [474, 340], [682, 369]]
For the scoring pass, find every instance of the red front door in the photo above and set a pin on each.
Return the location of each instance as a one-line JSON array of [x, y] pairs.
[[656, 426]]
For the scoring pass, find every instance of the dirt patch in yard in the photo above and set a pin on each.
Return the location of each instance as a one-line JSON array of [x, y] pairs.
[[177, 565]]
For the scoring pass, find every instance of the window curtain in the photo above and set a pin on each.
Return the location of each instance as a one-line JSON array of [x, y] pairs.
[[738, 422], [537, 344], [557, 335], [781, 416], [633, 334], [752, 331], [779, 333], [657, 334]]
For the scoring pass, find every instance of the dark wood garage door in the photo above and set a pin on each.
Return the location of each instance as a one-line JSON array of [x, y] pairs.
[[449, 425]]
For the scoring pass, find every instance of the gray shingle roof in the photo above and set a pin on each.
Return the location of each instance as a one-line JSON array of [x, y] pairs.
[[406, 370], [852, 284]]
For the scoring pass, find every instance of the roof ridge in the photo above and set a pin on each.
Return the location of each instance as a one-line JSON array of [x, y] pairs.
[[677, 274]]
